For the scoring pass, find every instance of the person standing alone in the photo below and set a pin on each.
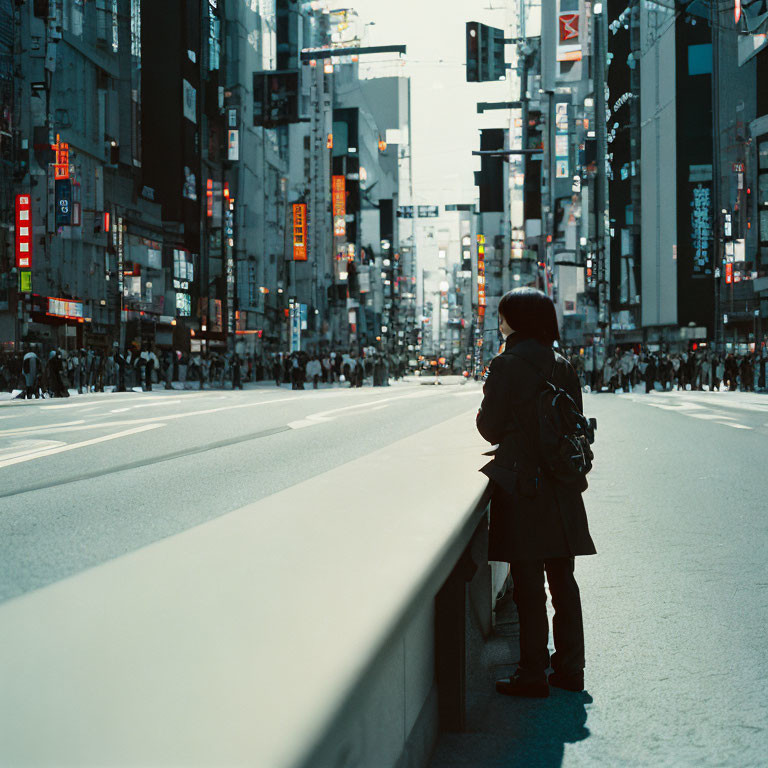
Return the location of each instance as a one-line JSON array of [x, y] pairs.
[[538, 523]]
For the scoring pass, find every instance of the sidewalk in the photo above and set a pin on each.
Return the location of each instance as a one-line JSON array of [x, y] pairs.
[[502, 730]]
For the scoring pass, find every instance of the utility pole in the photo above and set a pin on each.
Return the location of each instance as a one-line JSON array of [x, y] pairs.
[[603, 297]]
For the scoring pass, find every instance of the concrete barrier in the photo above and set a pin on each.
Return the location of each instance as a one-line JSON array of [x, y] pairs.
[[322, 625]]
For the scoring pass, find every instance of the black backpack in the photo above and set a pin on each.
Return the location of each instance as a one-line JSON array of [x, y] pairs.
[[565, 434]]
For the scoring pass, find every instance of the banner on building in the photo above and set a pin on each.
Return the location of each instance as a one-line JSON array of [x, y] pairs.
[[299, 232], [568, 42], [428, 211], [72, 310], [339, 193], [23, 232]]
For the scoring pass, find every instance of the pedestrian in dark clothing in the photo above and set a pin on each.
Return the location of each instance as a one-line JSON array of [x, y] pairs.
[[537, 524], [237, 382], [277, 371], [120, 364]]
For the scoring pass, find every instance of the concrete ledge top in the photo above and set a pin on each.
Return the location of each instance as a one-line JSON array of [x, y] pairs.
[[235, 642]]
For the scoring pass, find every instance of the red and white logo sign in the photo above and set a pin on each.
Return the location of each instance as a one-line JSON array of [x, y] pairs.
[[23, 232], [569, 27]]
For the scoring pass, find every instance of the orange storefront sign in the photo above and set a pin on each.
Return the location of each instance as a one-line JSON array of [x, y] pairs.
[[299, 232], [339, 193]]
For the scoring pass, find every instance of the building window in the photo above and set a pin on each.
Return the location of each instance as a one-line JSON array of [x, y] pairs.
[[183, 266]]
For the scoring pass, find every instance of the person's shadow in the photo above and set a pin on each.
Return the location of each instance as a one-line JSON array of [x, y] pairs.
[[533, 733], [517, 733]]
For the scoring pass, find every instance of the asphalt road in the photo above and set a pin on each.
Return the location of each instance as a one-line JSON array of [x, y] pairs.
[[675, 603], [89, 478]]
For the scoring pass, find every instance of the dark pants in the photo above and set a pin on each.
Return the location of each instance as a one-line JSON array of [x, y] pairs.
[[567, 627]]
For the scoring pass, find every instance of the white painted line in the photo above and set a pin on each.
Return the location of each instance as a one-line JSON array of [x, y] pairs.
[[42, 428], [318, 418], [709, 416], [72, 446], [24, 447], [730, 424], [147, 420]]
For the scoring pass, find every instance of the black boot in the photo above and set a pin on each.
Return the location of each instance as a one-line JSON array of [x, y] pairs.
[[521, 685]]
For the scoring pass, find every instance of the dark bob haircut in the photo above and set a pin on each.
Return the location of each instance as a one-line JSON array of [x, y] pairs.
[[531, 313]]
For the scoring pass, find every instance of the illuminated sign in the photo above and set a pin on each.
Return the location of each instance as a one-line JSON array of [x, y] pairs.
[[72, 310], [299, 232], [61, 166], [63, 191], [339, 206], [23, 232], [25, 281], [481, 302], [569, 47], [701, 228]]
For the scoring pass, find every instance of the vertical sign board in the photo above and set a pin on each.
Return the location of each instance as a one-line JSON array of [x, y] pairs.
[[299, 232], [481, 304], [339, 206], [120, 259], [294, 330], [63, 191], [568, 43], [61, 166], [23, 232], [562, 166], [233, 144], [701, 228]]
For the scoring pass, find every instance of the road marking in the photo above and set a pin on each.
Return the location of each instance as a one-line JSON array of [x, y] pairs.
[[324, 416], [711, 416], [731, 424], [41, 428], [24, 447], [73, 446]]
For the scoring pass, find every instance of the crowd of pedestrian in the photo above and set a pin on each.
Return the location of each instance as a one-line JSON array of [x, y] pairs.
[[38, 373], [644, 370], [350, 368]]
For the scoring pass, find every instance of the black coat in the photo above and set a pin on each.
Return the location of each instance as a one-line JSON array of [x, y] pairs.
[[532, 516]]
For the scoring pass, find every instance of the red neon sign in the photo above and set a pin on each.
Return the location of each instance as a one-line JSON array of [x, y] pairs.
[[23, 232], [61, 166]]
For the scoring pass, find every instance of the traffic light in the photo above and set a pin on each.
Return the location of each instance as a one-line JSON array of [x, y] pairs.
[[490, 177], [485, 53]]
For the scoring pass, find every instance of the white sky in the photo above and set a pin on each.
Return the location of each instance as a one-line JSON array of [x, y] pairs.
[[445, 122]]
